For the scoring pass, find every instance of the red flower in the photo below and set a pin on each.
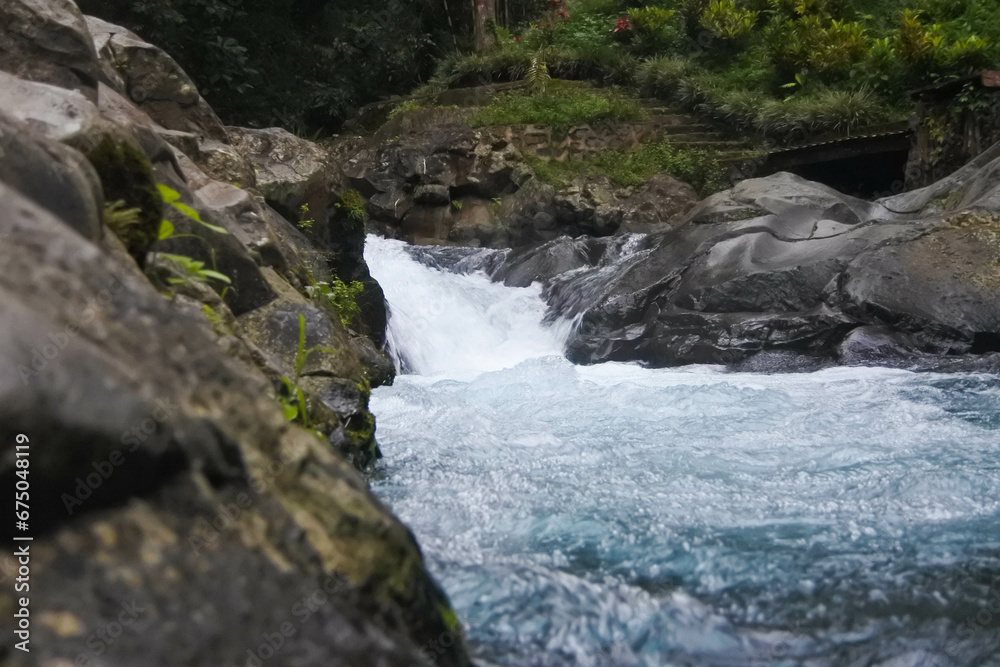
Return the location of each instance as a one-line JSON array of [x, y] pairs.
[[563, 13], [518, 39], [623, 25]]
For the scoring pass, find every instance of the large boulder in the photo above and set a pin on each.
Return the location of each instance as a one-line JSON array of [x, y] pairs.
[[48, 41], [165, 477], [784, 265], [290, 172], [154, 81], [446, 184], [53, 176], [114, 151], [300, 180], [316, 354]]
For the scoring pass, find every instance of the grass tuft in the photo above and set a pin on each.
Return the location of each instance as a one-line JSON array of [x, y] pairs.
[[562, 106]]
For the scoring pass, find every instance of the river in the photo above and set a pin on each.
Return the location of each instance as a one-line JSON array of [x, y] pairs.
[[619, 515]]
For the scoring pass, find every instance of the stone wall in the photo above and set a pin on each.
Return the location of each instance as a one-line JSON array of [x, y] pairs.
[[954, 122]]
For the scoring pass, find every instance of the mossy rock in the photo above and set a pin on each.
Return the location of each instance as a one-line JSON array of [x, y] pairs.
[[127, 175], [360, 429]]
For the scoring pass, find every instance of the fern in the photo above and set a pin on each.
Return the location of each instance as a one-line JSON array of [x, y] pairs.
[[119, 219], [538, 77]]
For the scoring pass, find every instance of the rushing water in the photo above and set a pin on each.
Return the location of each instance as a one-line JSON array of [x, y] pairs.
[[615, 515]]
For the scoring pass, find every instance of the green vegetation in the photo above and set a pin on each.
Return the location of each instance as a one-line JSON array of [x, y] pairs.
[[188, 269], [293, 401], [342, 296], [353, 204], [192, 270], [696, 167], [303, 64], [126, 175], [309, 64], [404, 107], [562, 106], [305, 223], [173, 198], [778, 68], [119, 218]]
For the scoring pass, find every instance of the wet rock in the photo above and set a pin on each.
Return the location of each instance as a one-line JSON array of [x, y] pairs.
[[432, 195], [784, 265], [380, 370], [324, 365], [869, 345], [550, 260]]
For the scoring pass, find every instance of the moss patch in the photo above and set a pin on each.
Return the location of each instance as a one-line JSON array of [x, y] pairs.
[[127, 176], [360, 429], [634, 167]]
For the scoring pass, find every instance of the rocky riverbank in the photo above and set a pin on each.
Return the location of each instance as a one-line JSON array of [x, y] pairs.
[[781, 274], [195, 391]]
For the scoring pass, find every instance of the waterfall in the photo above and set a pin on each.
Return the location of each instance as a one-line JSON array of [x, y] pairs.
[[445, 323]]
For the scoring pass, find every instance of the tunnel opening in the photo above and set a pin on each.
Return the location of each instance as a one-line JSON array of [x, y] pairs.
[[985, 342], [864, 176], [869, 166]]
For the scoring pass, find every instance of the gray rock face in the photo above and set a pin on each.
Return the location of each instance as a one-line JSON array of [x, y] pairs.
[[48, 41], [289, 171], [299, 180], [53, 176], [170, 485], [105, 375], [450, 185], [784, 265], [154, 81]]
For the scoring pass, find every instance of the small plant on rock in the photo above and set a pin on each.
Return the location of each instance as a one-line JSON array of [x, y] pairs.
[[353, 205], [119, 219], [305, 222], [189, 269], [173, 198], [193, 270], [293, 402], [342, 296]]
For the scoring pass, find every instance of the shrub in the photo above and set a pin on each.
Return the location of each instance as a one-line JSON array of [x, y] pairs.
[[970, 53], [692, 11], [816, 43], [351, 203], [661, 76], [728, 22], [915, 43], [657, 30], [582, 30], [696, 167], [340, 295], [538, 76]]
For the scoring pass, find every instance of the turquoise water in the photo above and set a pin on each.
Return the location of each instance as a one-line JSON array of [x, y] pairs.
[[616, 515]]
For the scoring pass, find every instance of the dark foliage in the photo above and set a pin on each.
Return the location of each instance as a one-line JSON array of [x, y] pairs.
[[303, 64]]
